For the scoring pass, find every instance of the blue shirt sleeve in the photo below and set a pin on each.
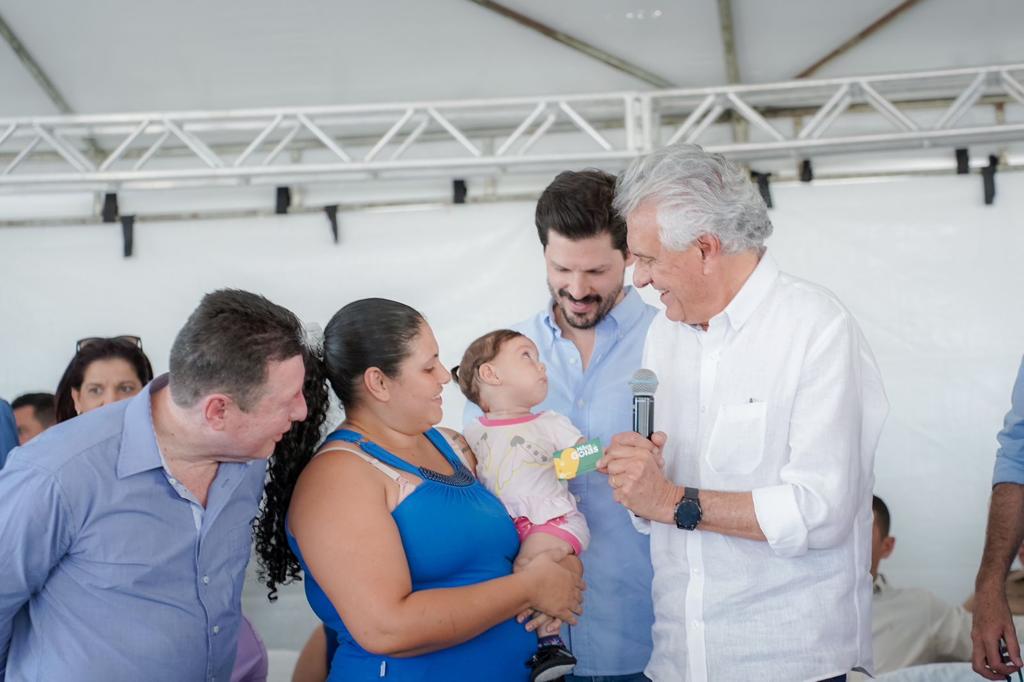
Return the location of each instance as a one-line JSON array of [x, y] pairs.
[[35, 534], [8, 431], [1010, 456]]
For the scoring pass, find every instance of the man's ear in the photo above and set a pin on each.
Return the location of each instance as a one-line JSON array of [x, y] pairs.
[[888, 544], [710, 247], [215, 408], [489, 374], [630, 258], [376, 384]]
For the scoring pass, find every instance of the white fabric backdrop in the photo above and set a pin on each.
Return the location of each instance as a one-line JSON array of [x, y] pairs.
[[933, 276]]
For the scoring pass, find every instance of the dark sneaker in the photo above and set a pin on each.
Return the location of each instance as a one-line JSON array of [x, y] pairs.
[[550, 662]]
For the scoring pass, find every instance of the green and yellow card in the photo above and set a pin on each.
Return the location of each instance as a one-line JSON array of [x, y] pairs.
[[581, 459]]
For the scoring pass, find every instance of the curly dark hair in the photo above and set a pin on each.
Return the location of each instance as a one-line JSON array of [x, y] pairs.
[[277, 564]]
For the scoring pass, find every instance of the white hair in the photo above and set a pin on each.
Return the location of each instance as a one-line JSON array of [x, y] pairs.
[[696, 193]]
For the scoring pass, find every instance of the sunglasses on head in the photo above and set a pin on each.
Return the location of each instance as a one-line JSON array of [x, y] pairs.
[[125, 339]]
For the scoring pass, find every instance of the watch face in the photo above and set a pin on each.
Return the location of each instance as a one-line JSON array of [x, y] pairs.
[[688, 514]]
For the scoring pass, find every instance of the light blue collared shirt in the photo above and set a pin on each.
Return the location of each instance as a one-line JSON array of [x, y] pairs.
[[111, 569], [1010, 456], [614, 635]]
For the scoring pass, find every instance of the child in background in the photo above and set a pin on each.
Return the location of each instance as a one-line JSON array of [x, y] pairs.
[[501, 372]]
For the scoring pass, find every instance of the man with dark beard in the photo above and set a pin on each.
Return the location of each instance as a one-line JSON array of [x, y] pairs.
[[591, 336]]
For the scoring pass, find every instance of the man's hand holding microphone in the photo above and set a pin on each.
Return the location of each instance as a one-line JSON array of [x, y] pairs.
[[633, 461]]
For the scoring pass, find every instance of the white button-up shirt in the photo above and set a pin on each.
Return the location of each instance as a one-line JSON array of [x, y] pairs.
[[780, 396]]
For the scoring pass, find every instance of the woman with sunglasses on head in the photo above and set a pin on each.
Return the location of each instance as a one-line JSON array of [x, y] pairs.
[[103, 371]]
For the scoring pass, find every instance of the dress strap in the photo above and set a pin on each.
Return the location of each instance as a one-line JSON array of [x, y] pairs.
[[461, 476], [374, 450], [444, 446], [405, 486], [373, 461]]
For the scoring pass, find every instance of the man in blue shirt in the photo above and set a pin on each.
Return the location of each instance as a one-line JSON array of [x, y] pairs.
[[125, 532], [8, 431], [992, 619], [591, 337]]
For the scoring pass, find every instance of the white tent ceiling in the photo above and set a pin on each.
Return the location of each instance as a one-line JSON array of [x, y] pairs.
[[112, 56], [123, 55]]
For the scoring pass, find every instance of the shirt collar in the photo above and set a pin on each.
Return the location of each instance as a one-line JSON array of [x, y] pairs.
[[139, 450], [629, 310], [624, 315], [753, 292]]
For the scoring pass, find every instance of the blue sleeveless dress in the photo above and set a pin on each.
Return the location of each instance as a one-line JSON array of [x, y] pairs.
[[454, 533]]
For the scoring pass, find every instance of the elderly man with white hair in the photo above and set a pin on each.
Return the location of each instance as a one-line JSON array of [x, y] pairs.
[[756, 488]]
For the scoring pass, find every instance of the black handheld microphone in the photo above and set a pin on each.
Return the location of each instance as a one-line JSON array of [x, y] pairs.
[[643, 385]]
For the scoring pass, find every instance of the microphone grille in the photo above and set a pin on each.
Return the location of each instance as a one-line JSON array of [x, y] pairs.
[[644, 382]]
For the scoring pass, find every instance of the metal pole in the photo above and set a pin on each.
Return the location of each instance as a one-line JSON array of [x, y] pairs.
[[740, 132], [857, 39], [575, 43], [44, 82]]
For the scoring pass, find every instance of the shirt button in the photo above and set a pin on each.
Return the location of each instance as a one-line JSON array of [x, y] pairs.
[[206, 580], [695, 624], [703, 409], [696, 571], [216, 629], [579, 403], [572, 361], [174, 481]]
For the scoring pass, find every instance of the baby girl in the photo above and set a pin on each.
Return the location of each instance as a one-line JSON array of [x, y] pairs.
[[501, 372]]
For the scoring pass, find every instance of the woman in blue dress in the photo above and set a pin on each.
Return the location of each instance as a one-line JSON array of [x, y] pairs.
[[405, 555]]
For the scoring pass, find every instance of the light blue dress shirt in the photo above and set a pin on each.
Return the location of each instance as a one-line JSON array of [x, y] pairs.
[[1010, 456], [614, 635], [111, 570]]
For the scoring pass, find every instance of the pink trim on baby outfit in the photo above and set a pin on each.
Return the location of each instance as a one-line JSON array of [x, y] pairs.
[[508, 422], [525, 527]]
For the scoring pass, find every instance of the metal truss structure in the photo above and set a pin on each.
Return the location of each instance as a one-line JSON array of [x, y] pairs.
[[300, 145]]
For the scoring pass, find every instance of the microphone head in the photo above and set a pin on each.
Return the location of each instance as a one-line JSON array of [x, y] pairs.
[[644, 382]]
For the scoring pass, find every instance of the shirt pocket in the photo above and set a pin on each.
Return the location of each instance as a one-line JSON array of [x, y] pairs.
[[736, 445]]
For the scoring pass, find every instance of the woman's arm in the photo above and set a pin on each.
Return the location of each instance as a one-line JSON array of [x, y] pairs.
[[340, 518]]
